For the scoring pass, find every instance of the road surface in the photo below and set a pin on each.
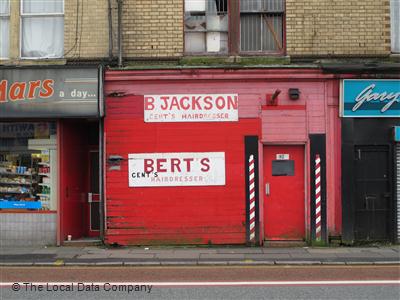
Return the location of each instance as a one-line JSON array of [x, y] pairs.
[[247, 282]]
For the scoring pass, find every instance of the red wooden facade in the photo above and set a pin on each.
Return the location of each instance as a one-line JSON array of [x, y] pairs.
[[212, 214]]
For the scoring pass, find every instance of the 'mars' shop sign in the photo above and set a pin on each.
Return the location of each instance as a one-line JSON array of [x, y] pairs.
[[191, 108], [176, 169]]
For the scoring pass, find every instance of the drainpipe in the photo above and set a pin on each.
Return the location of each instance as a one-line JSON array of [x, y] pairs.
[[110, 31], [120, 32]]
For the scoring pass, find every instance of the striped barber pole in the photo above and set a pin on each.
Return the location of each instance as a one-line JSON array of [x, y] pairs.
[[317, 197], [252, 193]]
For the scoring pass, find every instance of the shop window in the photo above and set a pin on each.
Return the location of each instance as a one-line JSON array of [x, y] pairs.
[[206, 26], [28, 160], [395, 25], [42, 28], [261, 25], [4, 28]]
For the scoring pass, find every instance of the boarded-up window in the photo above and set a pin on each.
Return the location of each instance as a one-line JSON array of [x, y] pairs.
[[206, 26], [261, 25]]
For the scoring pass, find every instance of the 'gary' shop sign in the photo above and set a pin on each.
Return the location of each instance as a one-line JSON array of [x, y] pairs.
[[49, 92], [370, 98]]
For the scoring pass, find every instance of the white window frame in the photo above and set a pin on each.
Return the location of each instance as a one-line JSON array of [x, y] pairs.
[[22, 15], [7, 16]]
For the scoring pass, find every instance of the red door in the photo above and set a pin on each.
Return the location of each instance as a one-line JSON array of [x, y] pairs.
[[93, 199], [73, 181], [284, 211]]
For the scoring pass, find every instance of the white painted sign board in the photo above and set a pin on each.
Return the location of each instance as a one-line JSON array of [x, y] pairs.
[[176, 169], [191, 108]]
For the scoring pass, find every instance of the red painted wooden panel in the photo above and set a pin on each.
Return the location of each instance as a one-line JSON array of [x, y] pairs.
[[284, 125], [174, 215], [73, 178], [284, 210], [278, 126]]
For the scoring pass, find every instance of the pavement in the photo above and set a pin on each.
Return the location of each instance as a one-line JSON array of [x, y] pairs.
[[181, 256]]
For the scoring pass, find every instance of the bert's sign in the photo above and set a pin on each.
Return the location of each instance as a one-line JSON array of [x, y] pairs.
[[176, 169], [191, 108]]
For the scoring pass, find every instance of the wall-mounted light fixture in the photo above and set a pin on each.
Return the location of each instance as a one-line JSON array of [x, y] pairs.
[[294, 93], [114, 162], [272, 99]]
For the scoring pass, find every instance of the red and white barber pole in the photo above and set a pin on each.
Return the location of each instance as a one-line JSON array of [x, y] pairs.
[[252, 193], [317, 197]]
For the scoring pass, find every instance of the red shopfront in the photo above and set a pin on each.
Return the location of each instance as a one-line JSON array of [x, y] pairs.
[[221, 156], [50, 122]]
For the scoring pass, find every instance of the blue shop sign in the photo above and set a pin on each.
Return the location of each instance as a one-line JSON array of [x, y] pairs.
[[370, 98], [20, 204]]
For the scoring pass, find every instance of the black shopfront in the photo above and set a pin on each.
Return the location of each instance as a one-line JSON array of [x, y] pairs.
[[370, 160]]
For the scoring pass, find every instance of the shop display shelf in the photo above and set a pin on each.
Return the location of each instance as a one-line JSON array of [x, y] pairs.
[[16, 193], [44, 174], [43, 195], [16, 174], [46, 164], [17, 183]]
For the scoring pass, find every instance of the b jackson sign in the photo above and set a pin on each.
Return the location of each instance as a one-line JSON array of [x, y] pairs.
[[176, 169], [370, 98], [191, 108], [49, 92]]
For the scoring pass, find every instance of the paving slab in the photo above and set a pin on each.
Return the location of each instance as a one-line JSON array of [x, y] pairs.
[[133, 255], [359, 255], [199, 251], [317, 256], [240, 250], [283, 250], [93, 256], [187, 255], [267, 256], [327, 250], [151, 251], [221, 256]]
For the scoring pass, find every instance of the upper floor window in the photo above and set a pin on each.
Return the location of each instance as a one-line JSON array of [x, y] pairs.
[[222, 26], [4, 28], [261, 25], [395, 25], [42, 28], [206, 26]]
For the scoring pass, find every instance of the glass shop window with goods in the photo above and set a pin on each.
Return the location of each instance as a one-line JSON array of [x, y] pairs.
[[28, 160]]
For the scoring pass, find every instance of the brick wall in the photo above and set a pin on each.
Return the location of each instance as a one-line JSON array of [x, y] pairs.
[[338, 27], [86, 29], [152, 28]]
